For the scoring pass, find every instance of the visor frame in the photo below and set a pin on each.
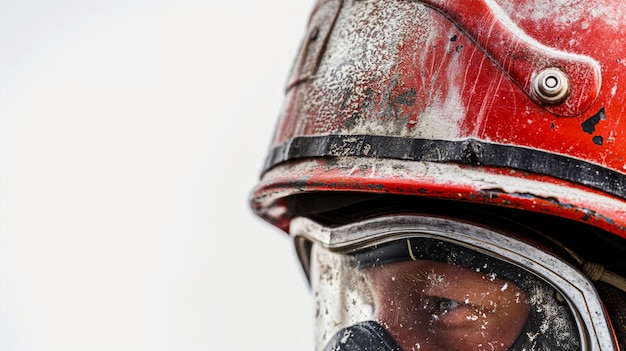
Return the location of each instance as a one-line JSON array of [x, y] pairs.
[[577, 290]]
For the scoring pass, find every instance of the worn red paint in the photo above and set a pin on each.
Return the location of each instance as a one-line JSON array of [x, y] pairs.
[[454, 70]]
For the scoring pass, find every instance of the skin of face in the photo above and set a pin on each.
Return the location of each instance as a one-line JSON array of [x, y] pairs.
[[436, 306]]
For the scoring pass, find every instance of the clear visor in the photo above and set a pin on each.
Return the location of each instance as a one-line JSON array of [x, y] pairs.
[[424, 283]]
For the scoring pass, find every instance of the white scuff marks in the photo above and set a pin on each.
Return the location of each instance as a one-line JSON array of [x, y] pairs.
[[342, 298], [441, 119], [365, 40], [565, 12], [363, 52], [346, 336], [511, 17]]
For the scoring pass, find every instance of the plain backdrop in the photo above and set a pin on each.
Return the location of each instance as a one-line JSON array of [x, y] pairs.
[[131, 134]]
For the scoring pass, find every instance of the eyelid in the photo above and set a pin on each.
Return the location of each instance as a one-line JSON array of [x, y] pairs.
[[431, 283], [424, 280], [445, 304], [434, 301], [434, 304]]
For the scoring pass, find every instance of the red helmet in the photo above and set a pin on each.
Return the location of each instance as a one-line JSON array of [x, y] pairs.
[[517, 105], [509, 104]]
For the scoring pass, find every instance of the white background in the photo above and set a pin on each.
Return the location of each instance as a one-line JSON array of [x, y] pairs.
[[131, 134]]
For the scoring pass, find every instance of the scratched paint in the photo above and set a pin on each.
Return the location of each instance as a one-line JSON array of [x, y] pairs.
[[400, 68], [564, 13], [439, 180], [363, 52], [358, 88]]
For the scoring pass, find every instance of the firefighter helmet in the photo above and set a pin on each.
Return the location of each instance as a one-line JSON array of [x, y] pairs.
[[443, 107]]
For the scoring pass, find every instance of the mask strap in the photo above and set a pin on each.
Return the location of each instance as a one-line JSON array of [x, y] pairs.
[[594, 271]]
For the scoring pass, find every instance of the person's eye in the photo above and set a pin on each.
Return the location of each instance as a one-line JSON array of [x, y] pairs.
[[437, 306], [443, 305], [447, 313]]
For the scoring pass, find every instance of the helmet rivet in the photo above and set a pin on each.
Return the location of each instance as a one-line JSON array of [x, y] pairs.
[[551, 86]]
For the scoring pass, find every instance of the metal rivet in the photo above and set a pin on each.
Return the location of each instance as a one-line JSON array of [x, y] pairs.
[[551, 86]]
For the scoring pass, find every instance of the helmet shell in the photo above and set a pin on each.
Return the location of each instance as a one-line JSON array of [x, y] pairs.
[[444, 100]]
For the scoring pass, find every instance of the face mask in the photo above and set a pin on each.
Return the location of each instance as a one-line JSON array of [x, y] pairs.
[[422, 283]]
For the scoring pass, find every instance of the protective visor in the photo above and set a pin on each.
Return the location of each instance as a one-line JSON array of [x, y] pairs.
[[428, 283]]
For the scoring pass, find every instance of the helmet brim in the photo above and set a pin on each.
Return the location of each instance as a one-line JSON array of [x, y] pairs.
[[470, 184]]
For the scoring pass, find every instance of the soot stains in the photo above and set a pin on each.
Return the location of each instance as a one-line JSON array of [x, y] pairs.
[[589, 125]]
